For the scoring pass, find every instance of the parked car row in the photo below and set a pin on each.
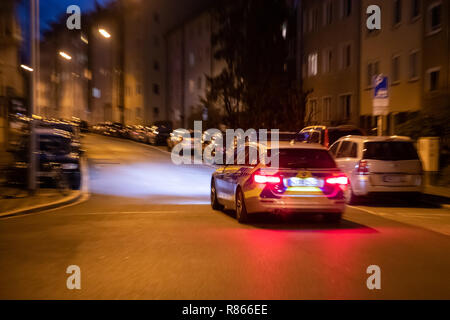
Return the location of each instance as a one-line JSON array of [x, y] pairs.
[[157, 134]]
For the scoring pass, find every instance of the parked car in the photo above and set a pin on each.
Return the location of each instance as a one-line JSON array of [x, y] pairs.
[[159, 133], [386, 165], [70, 127], [326, 136], [54, 148], [306, 180], [137, 133]]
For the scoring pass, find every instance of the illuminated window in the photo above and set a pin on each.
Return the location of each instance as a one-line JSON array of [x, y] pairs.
[[312, 64]]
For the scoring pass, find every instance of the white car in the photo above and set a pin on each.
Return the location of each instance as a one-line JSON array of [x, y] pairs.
[[378, 165]]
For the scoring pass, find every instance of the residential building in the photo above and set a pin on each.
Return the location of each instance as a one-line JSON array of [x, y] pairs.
[[63, 81], [397, 52], [106, 91], [329, 53], [436, 54], [190, 62], [11, 75]]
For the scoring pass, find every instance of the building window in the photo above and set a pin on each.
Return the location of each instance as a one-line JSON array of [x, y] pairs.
[[435, 18], [315, 19], [396, 69], [326, 109], [156, 111], [415, 8], [346, 6], [327, 60], [414, 65], [433, 79], [328, 13], [156, 89], [345, 106], [305, 22], [373, 69], [199, 83], [191, 59], [191, 86], [397, 12], [312, 64], [313, 111], [138, 89], [346, 56]]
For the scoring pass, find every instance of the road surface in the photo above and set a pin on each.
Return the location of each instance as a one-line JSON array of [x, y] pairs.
[[148, 232]]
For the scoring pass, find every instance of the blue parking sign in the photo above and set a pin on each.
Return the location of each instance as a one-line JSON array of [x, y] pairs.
[[381, 87]]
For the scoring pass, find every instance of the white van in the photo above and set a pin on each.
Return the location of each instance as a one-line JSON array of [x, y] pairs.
[[378, 165]]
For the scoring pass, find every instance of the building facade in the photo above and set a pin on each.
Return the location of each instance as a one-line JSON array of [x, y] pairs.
[[11, 76], [63, 82], [436, 54], [329, 35], [396, 52]]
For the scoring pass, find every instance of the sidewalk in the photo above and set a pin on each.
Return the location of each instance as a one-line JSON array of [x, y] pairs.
[[438, 191], [15, 200]]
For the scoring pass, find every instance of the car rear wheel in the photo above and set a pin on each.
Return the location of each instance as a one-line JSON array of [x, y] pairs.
[[333, 217], [214, 202], [241, 210]]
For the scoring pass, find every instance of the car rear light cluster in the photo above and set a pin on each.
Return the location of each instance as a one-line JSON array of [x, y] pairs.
[[341, 181], [362, 168], [262, 178]]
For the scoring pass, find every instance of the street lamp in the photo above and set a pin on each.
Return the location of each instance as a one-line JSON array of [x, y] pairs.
[[104, 33], [26, 68], [65, 55]]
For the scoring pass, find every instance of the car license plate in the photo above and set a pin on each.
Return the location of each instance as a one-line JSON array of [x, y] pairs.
[[307, 182], [394, 179]]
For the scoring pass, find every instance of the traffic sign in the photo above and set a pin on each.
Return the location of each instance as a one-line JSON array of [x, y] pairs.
[[381, 95]]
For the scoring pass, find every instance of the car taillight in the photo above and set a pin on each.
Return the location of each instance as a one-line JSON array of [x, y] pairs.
[[266, 179], [363, 168], [341, 181]]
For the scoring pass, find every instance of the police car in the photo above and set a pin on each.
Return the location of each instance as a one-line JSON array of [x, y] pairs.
[[305, 180]]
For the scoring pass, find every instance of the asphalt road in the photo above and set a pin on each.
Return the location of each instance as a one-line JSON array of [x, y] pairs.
[[148, 232]]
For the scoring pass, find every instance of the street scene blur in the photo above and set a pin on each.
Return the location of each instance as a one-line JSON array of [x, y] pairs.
[[225, 149]]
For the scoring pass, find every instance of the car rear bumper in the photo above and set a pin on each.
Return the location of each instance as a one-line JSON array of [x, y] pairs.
[[298, 205], [387, 189]]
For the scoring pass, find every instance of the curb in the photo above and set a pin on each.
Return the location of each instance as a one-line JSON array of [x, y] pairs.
[[56, 204]]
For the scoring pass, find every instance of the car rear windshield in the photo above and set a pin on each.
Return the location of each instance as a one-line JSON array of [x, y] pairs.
[[390, 151], [54, 145], [335, 134], [305, 159]]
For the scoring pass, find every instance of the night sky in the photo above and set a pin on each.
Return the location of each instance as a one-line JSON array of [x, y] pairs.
[[50, 10]]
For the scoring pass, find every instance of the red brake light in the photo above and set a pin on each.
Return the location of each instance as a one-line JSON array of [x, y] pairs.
[[342, 181], [363, 168], [260, 178]]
